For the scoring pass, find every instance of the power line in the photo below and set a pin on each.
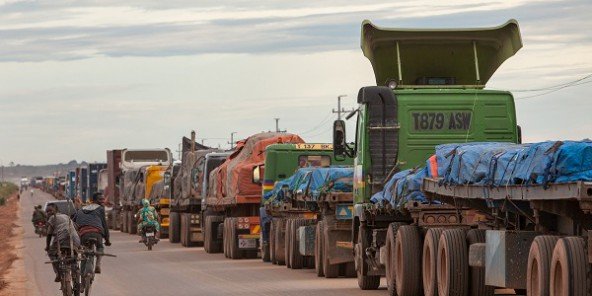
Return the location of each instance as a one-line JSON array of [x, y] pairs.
[[554, 86], [555, 89], [321, 123]]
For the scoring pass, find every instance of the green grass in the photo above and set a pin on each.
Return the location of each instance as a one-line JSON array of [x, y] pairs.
[[6, 190]]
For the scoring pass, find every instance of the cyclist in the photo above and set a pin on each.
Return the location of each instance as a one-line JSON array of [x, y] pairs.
[[93, 225], [60, 230]]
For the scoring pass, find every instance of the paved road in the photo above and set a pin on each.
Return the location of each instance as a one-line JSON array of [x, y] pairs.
[[173, 270]]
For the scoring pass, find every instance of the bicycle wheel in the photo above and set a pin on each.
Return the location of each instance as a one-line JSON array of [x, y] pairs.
[[67, 283]]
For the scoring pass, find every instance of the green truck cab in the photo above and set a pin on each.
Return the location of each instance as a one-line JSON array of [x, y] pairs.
[[430, 91], [281, 162]]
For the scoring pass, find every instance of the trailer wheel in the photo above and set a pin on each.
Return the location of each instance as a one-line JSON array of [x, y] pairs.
[[235, 252], [225, 238], [288, 242], [319, 249], [174, 235], [124, 222], [539, 265], [186, 230], [477, 274], [279, 242], [429, 261], [265, 256], [132, 224], [330, 270], [390, 268], [452, 270], [272, 241], [569, 268], [296, 259], [349, 270], [365, 282], [207, 232], [407, 254]]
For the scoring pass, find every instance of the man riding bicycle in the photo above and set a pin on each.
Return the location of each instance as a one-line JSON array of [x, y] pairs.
[[60, 231], [93, 225]]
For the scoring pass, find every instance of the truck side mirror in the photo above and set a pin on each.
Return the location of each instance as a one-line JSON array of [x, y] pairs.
[[339, 144], [167, 177], [257, 172]]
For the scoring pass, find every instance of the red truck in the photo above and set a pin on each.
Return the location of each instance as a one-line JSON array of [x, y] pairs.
[[231, 211]]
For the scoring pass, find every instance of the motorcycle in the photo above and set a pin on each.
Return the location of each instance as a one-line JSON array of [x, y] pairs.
[[40, 229], [149, 236]]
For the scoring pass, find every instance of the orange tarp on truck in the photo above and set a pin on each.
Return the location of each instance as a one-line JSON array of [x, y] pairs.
[[233, 180]]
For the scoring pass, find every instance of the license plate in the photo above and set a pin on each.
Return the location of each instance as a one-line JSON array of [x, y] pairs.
[[150, 234], [247, 243]]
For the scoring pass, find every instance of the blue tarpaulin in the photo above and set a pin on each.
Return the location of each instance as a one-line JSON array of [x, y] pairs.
[[312, 182], [499, 164], [401, 188]]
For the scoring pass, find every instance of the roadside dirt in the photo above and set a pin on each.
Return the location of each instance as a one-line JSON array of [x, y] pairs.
[[12, 277]]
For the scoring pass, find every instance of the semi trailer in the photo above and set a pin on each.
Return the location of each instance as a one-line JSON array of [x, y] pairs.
[[113, 190]]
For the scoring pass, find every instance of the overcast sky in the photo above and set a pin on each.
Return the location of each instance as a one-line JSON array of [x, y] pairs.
[[80, 77]]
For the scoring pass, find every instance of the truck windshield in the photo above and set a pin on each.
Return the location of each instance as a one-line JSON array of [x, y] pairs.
[[146, 156], [314, 161]]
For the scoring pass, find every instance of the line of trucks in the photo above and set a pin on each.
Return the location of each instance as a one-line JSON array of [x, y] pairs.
[[314, 205]]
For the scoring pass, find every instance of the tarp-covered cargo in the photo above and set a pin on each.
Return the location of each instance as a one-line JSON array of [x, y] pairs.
[[189, 181], [401, 188], [500, 164], [312, 182], [494, 165], [233, 180]]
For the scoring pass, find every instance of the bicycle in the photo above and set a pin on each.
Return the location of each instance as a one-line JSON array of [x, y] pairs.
[[68, 270], [87, 264]]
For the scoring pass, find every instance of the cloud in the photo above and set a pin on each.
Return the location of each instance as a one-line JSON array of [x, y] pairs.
[[65, 30]]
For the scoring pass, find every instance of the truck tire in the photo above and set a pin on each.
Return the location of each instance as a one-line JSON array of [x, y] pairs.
[[279, 243], [207, 235], [272, 227], [477, 274], [319, 249], [182, 235], [235, 252], [330, 270], [407, 254], [287, 242], [569, 268], [296, 258], [185, 226], [265, 256], [365, 282], [216, 242], [538, 269], [124, 222], [389, 266], [132, 222], [174, 235], [429, 261], [453, 263], [225, 239]]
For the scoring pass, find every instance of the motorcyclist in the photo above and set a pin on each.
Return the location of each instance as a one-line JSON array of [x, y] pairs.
[[147, 216], [93, 225], [60, 230], [39, 216]]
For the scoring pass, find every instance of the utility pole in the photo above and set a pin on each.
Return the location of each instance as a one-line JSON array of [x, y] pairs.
[[277, 126], [232, 140], [339, 109]]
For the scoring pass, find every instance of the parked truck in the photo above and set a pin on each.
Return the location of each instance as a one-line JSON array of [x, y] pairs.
[[112, 191], [92, 179], [296, 207], [429, 92], [141, 168], [191, 179], [231, 212]]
